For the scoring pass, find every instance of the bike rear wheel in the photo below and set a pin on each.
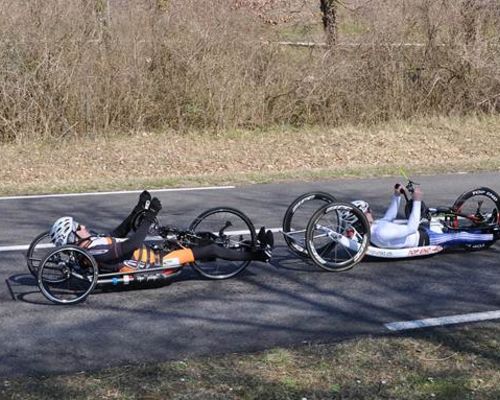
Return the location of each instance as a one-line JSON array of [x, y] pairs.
[[37, 251], [229, 228], [337, 236], [297, 217]]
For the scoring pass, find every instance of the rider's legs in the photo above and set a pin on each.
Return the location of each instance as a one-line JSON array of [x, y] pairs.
[[212, 251], [458, 238], [263, 252]]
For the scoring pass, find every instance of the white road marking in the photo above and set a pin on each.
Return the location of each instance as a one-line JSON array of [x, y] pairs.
[[25, 247], [441, 321], [22, 247], [45, 196]]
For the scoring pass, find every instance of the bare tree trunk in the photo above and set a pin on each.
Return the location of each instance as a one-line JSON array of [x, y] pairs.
[[329, 10]]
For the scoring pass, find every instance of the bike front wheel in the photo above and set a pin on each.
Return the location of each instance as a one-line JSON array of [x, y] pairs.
[[228, 228], [337, 236]]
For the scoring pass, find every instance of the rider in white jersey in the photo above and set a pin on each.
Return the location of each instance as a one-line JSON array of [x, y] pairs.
[[386, 233]]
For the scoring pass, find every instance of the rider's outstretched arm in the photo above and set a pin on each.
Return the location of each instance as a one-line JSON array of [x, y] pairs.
[[118, 251], [124, 228], [392, 212], [388, 233]]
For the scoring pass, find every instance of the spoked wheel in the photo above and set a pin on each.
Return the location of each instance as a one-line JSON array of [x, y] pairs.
[[67, 275], [228, 228], [297, 217], [337, 236], [482, 208], [36, 251]]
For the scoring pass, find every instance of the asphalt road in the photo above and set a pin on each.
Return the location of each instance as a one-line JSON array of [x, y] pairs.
[[285, 303]]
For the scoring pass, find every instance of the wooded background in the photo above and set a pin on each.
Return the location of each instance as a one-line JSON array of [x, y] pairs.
[[73, 67]]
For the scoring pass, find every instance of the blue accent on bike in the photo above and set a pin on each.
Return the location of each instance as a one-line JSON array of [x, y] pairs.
[[115, 281]]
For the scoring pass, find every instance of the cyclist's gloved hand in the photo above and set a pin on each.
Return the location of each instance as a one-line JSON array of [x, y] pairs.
[[155, 205], [144, 197], [153, 210], [398, 189]]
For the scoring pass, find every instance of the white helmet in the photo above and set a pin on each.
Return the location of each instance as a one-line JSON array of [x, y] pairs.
[[63, 231], [362, 205], [349, 217]]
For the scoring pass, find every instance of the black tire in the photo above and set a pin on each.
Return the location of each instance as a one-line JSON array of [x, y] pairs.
[[36, 251], [297, 217], [241, 237], [67, 275], [330, 220], [488, 216]]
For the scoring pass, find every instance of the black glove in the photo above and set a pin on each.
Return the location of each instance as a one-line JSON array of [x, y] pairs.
[[399, 189], [144, 197], [155, 205], [152, 211]]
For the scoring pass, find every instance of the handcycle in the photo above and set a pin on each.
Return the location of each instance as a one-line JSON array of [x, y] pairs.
[[69, 274], [335, 235]]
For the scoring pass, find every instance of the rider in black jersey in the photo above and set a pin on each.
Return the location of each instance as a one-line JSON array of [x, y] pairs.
[[117, 255]]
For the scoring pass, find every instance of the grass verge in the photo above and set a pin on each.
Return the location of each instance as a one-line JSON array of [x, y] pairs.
[[168, 159], [460, 363]]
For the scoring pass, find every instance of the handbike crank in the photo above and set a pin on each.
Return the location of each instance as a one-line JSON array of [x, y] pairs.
[[226, 225], [478, 215]]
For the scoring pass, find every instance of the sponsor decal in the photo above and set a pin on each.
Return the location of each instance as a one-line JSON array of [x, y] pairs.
[[422, 251], [380, 252], [135, 264], [486, 193], [171, 262], [403, 253], [338, 207], [476, 246], [302, 202]]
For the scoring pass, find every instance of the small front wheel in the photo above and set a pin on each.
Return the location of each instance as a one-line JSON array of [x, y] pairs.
[[337, 236], [229, 228], [297, 216], [67, 275]]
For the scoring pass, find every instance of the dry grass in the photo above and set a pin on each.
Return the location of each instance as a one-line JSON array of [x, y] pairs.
[[449, 364], [75, 68], [172, 159]]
